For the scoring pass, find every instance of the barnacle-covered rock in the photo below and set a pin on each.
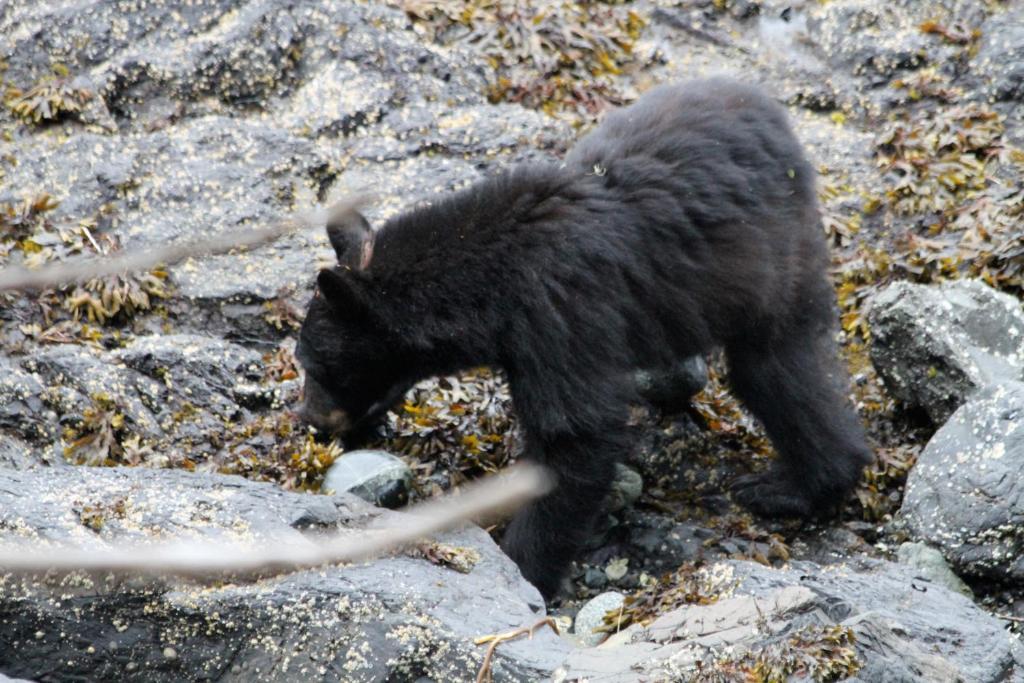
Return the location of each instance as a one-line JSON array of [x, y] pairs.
[[935, 345], [862, 618], [400, 617], [964, 496]]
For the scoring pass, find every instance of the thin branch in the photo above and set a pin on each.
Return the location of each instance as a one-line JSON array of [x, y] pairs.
[[88, 268], [484, 674], [491, 496]]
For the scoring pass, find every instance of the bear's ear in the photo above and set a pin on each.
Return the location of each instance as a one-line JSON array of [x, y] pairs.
[[350, 233], [343, 294]]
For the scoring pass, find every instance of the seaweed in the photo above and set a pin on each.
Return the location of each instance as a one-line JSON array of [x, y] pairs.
[[821, 653], [51, 99], [115, 297], [274, 448], [19, 220], [458, 558], [553, 56], [100, 434], [280, 365], [935, 164], [690, 584], [879, 492], [459, 427]]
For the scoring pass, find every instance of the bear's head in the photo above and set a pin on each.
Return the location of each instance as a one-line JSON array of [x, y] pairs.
[[344, 344]]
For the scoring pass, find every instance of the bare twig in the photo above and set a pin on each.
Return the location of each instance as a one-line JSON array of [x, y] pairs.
[[498, 638], [495, 494], [1008, 617], [89, 268]]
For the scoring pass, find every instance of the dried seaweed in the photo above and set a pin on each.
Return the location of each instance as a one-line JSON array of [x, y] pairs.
[[18, 221], [879, 491], [51, 99], [935, 164], [280, 365], [724, 416], [98, 438], [552, 56], [820, 653], [116, 296], [690, 584], [459, 426], [275, 448], [458, 558]]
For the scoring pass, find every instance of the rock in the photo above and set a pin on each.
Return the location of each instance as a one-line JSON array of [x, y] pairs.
[[591, 616], [18, 455], [626, 489], [965, 495], [401, 617], [670, 390], [901, 630], [5, 679], [22, 409], [375, 476], [177, 393], [936, 344], [999, 61], [595, 578], [931, 565]]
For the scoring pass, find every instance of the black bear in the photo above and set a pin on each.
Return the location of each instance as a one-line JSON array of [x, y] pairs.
[[685, 222]]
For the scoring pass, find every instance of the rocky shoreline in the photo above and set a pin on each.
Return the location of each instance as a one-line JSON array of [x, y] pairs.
[[153, 405]]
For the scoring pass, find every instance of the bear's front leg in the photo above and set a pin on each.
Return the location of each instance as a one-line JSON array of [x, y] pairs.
[[546, 536]]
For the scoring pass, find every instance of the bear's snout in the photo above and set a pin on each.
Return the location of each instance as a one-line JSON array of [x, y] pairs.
[[319, 411]]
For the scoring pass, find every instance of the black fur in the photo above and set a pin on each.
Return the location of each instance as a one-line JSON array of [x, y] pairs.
[[684, 222]]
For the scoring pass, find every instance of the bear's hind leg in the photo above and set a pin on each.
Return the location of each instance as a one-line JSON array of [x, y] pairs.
[[792, 385]]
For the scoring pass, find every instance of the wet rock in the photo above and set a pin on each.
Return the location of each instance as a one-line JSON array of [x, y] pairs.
[[931, 565], [375, 476], [626, 488], [397, 618], [595, 578], [901, 630], [663, 543], [935, 345], [965, 495], [591, 616]]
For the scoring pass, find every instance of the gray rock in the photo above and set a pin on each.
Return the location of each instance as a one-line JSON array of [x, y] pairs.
[[965, 495], [595, 578], [22, 408], [626, 488], [591, 616], [375, 476], [931, 565], [903, 631], [999, 62], [18, 455], [397, 618], [936, 344]]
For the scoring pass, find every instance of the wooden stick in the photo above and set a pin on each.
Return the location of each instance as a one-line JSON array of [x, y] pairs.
[[493, 495], [498, 638], [82, 269]]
